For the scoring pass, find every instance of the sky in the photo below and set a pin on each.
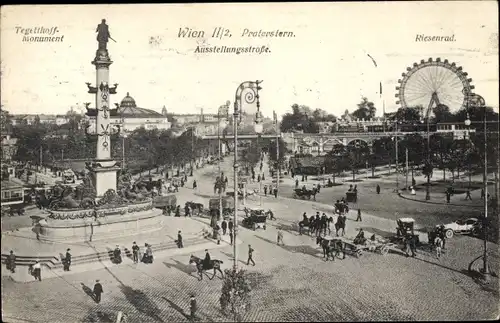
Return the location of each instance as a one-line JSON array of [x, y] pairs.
[[325, 65]]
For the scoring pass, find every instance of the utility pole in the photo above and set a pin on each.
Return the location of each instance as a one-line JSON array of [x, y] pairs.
[[397, 162], [406, 167], [277, 151]]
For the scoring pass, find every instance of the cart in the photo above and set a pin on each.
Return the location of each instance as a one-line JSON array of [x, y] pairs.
[[351, 197], [166, 203], [255, 218], [227, 206], [405, 229]]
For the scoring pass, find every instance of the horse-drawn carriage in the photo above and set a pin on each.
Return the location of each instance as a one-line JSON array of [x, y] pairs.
[[196, 208], [406, 229], [255, 218], [356, 247], [304, 193], [167, 203], [13, 209]]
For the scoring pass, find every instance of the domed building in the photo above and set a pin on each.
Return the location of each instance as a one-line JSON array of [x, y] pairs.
[[130, 117]]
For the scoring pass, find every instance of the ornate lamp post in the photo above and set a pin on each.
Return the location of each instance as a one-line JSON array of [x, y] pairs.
[[258, 130], [249, 93], [467, 123], [221, 124]]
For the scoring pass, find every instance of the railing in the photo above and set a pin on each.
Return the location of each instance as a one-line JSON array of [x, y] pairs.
[[88, 213]]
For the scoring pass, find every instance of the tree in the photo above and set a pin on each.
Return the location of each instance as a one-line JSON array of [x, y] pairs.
[[442, 113], [357, 156], [440, 149], [301, 119], [235, 295], [383, 148], [251, 155], [409, 114], [272, 152], [416, 149], [366, 110], [336, 161]]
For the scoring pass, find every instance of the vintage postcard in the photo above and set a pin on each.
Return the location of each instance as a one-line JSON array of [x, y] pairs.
[[257, 162]]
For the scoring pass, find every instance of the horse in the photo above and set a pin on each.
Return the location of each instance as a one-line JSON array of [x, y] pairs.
[[331, 248], [340, 224], [214, 264], [305, 224]]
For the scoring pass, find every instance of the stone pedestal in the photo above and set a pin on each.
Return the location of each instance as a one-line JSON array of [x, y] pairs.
[[104, 176], [91, 225]]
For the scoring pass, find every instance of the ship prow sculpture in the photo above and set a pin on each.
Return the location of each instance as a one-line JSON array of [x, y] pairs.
[[104, 205]]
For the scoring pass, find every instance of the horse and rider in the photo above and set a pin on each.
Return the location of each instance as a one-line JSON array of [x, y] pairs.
[[206, 264]]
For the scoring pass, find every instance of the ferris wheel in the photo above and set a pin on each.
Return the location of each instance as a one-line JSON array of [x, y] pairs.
[[434, 82]]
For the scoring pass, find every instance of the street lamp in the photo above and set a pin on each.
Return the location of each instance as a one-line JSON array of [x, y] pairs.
[[258, 127], [467, 123], [249, 91], [124, 135], [221, 125]]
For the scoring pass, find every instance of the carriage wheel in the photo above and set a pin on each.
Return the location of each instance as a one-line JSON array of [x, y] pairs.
[[385, 250]]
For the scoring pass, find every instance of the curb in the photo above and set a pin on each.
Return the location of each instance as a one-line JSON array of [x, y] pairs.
[[438, 203]]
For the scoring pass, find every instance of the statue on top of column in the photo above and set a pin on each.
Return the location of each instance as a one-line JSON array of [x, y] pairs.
[[103, 34]]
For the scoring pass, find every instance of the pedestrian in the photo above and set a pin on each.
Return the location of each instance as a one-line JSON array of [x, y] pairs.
[[258, 178], [217, 228], [253, 177], [378, 189], [37, 271], [178, 211], [467, 195], [265, 190], [359, 216], [180, 244], [67, 260], [194, 185], [224, 227], [231, 236], [117, 255], [250, 255], [263, 178], [413, 246], [482, 193], [448, 195], [186, 210], [438, 243], [296, 183], [442, 235], [230, 226], [280, 237], [413, 182], [135, 252], [149, 254], [193, 307], [275, 191], [98, 291], [11, 262]]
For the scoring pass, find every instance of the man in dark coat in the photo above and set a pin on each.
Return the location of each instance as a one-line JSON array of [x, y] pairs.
[[11, 262], [359, 216], [98, 291], [206, 261], [224, 226], [250, 255], [178, 211], [378, 189], [230, 226], [193, 307], [135, 252], [194, 185], [275, 191], [180, 244], [117, 255], [67, 260]]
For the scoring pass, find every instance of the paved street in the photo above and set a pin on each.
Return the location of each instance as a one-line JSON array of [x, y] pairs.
[[290, 283]]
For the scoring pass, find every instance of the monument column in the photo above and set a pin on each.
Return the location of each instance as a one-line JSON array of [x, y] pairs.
[[104, 168]]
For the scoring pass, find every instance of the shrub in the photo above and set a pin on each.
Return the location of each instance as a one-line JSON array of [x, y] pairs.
[[235, 296]]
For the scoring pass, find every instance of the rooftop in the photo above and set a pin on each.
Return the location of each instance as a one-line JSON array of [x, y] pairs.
[[129, 109]]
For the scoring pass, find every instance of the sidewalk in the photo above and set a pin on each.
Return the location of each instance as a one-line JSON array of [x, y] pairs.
[[438, 197]]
